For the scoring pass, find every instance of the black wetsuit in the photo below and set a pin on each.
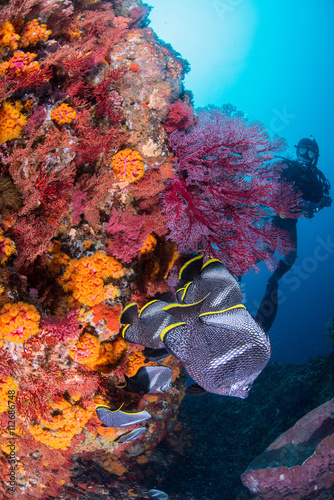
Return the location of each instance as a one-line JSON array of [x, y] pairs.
[[314, 187]]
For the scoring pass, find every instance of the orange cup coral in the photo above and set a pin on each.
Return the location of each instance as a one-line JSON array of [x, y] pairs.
[[5, 387], [87, 350], [7, 248], [21, 63], [67, 421], [8, 37], [11, 121], [85, 278], [33, 33], [128, 165], [18, 322], [63, 114]]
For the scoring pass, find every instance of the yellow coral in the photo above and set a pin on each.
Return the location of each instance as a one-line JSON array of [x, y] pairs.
[[85, 278], [58, 261], [63, 114], [96, 356], [33, 33], [8, 37], [7, 248], [128, 165], [18, 322], [11, 121], [22, 63], [67, 421], [110, 353], [149, 245], [8, 385], [135, 360], [86, 350]]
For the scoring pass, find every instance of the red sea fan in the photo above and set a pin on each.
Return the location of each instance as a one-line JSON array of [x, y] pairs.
[[226, 190]]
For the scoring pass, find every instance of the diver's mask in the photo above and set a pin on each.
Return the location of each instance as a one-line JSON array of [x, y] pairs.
[[308, 151], [306, 154]]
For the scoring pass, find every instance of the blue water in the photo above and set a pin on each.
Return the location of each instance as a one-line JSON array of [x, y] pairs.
[[274, 61]]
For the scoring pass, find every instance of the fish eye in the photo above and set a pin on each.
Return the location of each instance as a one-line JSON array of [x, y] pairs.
[[247, 387]]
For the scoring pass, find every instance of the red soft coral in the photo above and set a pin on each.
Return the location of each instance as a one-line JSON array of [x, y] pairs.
[[180, 117], [226, 188]]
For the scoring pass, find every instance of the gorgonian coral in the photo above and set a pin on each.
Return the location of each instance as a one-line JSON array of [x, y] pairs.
[[128, 165], [18, 322], [226, 188], [11, 121]]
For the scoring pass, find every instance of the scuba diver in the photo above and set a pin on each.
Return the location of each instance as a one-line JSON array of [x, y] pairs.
[[314, 187]]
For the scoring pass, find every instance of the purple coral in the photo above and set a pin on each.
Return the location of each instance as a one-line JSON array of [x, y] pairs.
[[226, 189]]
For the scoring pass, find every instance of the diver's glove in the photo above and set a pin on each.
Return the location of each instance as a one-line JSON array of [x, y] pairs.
[[311, 208], [326, 201]]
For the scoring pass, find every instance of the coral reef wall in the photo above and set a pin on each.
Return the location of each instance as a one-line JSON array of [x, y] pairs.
[[85, 89]]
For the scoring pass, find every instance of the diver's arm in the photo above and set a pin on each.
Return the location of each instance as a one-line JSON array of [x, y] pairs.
[[311, 208]]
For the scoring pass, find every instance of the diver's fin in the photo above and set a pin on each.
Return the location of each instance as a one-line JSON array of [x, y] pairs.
[[129, 314], [195, 390], [184, 311], [191, 269]]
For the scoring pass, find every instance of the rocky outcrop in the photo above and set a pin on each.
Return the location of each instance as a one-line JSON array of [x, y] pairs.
[[300, 463]]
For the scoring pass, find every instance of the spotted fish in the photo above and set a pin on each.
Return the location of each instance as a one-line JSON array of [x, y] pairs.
[[211, 279], [223, 351], [144, 327], [209, 330], [149, 380]]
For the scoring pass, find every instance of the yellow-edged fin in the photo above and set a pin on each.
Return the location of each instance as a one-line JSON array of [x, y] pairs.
[[144, 307], [238, 306], [108, 408], [169, 328], [171, 306], [185, 290], [123, 435], [188, 263], [185, 311], [210, 262], [125, 312], [121, 386], [124, 330]]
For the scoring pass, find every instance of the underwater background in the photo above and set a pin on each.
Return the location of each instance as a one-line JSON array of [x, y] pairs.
[[102, 104], [273, 61]]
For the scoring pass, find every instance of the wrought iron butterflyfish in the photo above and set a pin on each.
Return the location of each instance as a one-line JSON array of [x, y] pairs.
[[222, 351], [149, 380], [209, 331], [119, 418], [131, 435], [144, 327], [210, 278]]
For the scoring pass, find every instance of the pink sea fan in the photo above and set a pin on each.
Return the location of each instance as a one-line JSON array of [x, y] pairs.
[[226, 189]]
